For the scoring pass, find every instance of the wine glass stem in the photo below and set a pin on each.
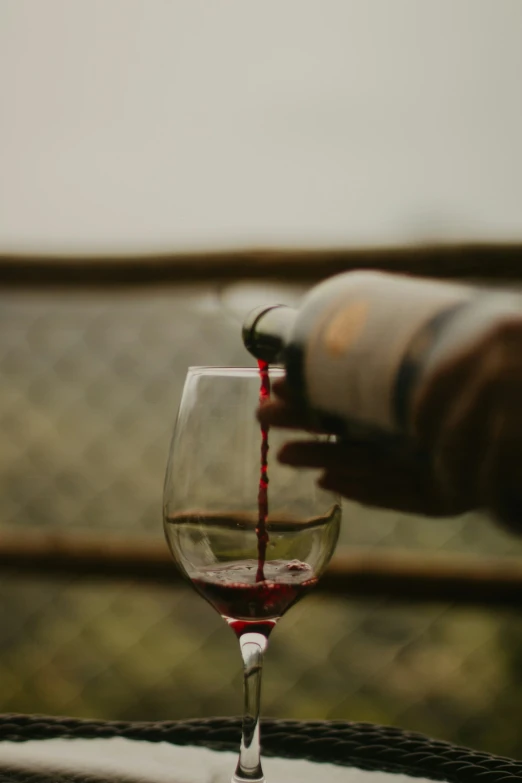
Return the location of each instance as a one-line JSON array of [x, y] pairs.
[[253, 646]]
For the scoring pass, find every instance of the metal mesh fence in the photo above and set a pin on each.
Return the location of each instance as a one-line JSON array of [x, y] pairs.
[[89, 386]]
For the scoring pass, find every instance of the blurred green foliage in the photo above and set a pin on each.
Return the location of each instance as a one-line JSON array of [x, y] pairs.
[[88, 395]]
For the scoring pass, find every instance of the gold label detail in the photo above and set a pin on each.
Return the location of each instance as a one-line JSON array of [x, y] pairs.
[[344, 328]]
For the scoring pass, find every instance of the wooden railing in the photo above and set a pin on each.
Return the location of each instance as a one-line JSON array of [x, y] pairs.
[[397, 575], [500, 262], [411, 577]]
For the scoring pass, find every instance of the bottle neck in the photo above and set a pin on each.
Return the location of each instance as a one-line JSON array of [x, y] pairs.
[[266, 331]]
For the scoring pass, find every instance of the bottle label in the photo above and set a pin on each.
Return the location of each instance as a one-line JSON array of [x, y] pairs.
[[361, 340]]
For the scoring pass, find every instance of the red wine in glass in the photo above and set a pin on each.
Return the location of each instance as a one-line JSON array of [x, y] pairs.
[[249, 605], [262, 495]]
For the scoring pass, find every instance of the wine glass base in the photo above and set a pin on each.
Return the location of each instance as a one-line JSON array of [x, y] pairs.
[[235, 779]]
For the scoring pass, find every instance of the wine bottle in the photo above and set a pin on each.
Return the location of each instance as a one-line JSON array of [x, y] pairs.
[[361, 343]]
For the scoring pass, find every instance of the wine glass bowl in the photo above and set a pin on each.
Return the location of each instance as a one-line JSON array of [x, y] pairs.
[[219, 554], [251, 562]]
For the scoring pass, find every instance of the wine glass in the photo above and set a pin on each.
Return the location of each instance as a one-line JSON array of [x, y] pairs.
[[253, 538]]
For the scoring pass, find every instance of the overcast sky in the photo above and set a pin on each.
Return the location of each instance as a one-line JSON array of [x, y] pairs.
[[163, 125]]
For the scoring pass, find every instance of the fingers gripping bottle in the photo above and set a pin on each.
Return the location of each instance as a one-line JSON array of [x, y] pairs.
[[362, 343]]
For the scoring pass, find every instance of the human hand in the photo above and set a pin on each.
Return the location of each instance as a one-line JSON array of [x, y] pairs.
[[360, 472], [467, 416]]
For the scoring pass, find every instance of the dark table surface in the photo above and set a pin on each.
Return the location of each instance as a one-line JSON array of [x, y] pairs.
[[41, 749]]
